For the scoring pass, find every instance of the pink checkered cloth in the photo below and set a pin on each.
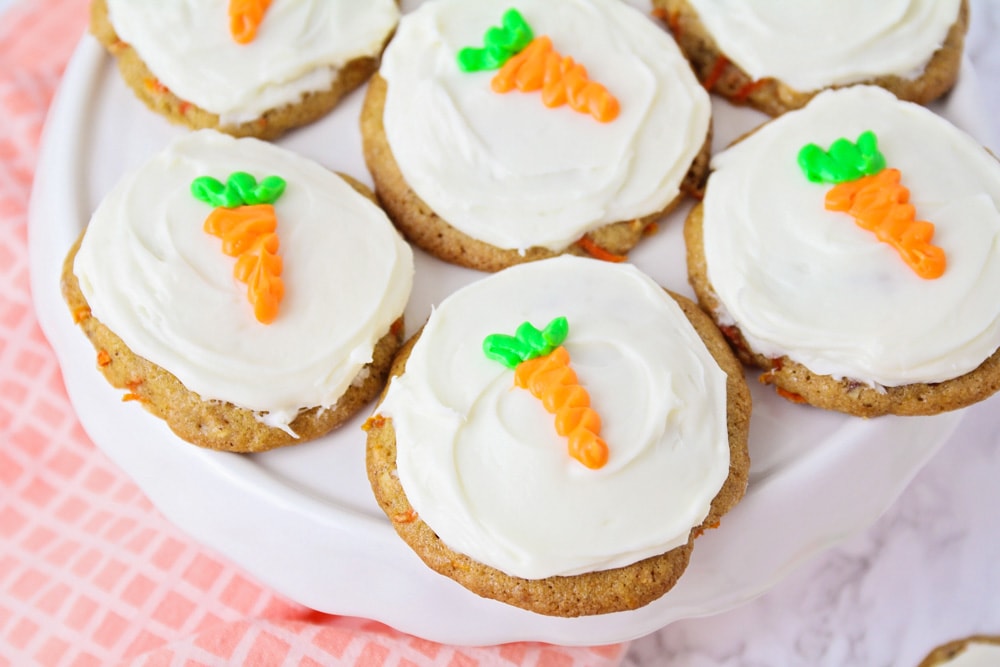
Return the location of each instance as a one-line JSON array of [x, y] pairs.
[[90, 572]]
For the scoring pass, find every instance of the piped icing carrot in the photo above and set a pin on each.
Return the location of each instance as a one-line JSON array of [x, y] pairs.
[[560, 78], [245, 220], [530, 64], [880, 204], [542, 366], [245, 17], [875, 197]]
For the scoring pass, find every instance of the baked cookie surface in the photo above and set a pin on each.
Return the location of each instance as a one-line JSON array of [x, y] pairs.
[[775, 56], [181, 59], [488, 179], [478, 482], [175, 324], [835, 315]]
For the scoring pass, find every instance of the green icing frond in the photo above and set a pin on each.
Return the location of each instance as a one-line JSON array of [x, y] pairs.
[[845, 161]]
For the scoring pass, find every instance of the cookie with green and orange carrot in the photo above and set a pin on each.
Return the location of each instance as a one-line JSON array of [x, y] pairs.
[[252, 83], [548, 384], [851, 286], [226, 314], [507, 122]]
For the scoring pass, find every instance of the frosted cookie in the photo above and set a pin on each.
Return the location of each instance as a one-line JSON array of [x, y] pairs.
[[975, 651], [852, 250], [466, 454], [485, 161], [247, 296], [776, 55], [245, 67]]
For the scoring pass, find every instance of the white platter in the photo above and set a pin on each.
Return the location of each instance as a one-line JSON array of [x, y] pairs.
[[303, 520]]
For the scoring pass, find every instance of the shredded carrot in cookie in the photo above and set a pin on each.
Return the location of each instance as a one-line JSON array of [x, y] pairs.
[[597, 252], [700, 530], [375, 421], [80, 313], [790, 395], [103, 358], [741, 95], [409, 516], [718, 68], [560, 78], [153, 85]]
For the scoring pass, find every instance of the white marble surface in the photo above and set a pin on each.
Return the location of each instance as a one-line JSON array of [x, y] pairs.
[[927, 572]]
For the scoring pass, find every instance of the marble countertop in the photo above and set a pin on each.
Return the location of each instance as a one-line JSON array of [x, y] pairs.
[[923, 574]]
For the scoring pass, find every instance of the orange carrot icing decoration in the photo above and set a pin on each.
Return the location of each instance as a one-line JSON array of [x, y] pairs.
[[560, 78], [245, 16], [529, 64], [542, 366], [245, 220], [881, 205], [876, 199]]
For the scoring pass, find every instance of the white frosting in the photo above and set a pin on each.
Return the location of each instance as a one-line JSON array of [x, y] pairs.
[[810, 283], [481, 463], [298, 48], [812, 44], [162, 284], [506, 169], [976, 654]]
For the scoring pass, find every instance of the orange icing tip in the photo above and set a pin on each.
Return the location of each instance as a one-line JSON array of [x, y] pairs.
[[881, 204], [560, 79], [245, 17]]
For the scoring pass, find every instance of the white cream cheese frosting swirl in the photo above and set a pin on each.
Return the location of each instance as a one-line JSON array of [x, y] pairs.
[[813, 44], [809, 283], [163, 285], [509, 171], [481, 463], [298, 48]]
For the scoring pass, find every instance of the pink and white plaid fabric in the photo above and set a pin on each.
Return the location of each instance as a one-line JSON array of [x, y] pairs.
[[90, 572]]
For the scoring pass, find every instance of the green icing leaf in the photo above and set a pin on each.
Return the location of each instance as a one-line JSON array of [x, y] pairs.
[[526, 343], [214, 193], [240, 189], [508, 350], [500, 43], [845, 161]]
